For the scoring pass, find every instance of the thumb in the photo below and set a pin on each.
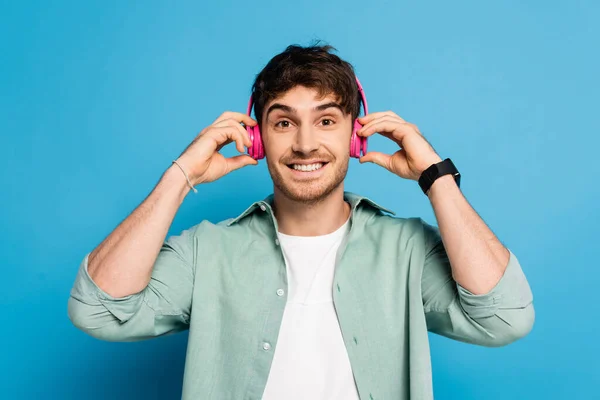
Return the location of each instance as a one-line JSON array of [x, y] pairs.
[[381, 159], [240, 161]]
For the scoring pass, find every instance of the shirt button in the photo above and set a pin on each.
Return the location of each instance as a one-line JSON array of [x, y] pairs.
[[266, 346], [262, 207], [280, 292], [276, 242]]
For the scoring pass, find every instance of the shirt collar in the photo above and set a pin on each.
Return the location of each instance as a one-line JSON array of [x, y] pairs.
[[266, 204]]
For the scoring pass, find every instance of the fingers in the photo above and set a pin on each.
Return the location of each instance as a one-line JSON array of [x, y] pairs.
[[225, 143], [236, 116], [228, 120], [240, 161], [372, 116], [233, 123], [227, 134], [385, 124], [228, 131], [381, 159]]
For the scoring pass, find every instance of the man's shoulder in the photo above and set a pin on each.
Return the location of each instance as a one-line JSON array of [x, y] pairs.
[[212, 227], [382, 227], [381, 218], [224, 223], [206, 225]]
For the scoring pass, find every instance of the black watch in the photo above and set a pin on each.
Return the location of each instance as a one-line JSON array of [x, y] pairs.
[[435, 171]]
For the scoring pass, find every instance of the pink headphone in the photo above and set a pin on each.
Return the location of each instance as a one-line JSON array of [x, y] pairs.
[[357, 143]]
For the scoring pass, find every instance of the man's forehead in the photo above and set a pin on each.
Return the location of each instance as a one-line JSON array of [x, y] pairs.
[[289, 96], [295, 103]]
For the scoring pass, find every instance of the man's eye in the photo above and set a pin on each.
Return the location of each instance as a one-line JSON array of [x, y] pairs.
[[283, 124], [327, 122]]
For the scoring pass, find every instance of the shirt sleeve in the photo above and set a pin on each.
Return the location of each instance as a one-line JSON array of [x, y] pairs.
[[493, 319], [163, 307]]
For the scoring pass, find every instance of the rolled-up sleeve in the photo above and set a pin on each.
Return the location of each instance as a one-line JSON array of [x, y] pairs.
[[497, 318], [163, 307]]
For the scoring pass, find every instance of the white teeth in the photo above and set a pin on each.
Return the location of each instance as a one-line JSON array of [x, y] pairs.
[[307, 168]]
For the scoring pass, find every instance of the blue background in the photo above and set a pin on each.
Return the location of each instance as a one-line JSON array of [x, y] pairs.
[[97, 98]]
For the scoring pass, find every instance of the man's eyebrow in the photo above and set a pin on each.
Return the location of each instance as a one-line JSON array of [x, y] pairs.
[[331, 104], [279, 106], [292, 110]]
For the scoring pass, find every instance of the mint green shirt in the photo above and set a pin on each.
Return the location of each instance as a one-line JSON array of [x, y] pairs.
[[227, 284]]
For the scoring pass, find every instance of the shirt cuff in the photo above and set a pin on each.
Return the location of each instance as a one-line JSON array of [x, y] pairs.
[[511, 292], [87, 291]]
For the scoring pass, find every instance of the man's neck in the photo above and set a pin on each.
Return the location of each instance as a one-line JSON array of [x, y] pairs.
[[300, 219]]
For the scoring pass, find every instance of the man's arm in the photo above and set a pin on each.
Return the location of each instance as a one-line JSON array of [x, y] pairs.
[[136, 285], [138, 239], [477, 257], [474, 289]]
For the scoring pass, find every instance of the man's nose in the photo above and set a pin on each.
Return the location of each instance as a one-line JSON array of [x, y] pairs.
[[306, 140]]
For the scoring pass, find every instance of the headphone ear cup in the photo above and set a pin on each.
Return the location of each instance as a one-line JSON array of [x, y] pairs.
[[357, 143], [260, 150], [257, 150]]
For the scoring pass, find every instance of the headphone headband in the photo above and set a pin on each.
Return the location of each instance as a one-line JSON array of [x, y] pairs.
[[362, 96]]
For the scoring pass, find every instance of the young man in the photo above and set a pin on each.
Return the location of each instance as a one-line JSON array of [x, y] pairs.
[[312, 293]]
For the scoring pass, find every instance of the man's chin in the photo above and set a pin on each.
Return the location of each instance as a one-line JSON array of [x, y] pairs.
[[306, 192]]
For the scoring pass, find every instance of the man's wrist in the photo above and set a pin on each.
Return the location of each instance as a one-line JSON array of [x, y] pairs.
[[435, 160], [174, 180], [442, 184]]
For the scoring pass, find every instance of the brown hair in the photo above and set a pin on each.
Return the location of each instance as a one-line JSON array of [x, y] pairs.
[[314, 67]]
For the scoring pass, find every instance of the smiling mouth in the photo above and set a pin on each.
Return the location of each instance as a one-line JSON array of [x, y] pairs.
[[307, 167]]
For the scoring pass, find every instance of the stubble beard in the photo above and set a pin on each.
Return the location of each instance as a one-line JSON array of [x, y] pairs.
[[310, 192]]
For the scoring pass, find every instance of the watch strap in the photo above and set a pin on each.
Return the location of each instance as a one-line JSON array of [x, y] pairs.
[[437, 170]]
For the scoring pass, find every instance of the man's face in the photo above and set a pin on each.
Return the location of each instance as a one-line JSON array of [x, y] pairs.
[[307, 144]]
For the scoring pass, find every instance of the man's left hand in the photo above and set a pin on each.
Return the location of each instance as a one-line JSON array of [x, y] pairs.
[[415, 155]]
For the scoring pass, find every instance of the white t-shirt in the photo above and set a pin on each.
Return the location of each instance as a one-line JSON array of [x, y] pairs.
[[310, 360]]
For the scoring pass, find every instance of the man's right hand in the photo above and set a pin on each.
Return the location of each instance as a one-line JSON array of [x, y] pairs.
[[202, 160]]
